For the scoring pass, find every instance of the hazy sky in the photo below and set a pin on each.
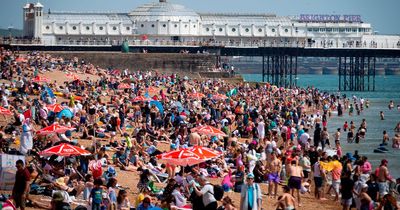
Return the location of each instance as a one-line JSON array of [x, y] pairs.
[[384, 15]]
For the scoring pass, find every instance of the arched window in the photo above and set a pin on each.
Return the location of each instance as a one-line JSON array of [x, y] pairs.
[[164, 25], [286, 30], [152, 25], [128, 28], [101, 28], [176, 26], [247, 30], [233, 29], [74, 28], [273, 30], [61, 27], [260, 30], [114, 28], [87, 28], [220, 29], [207, 29], [47, 27]]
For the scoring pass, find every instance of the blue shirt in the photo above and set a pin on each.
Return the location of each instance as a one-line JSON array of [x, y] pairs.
[[250, 196]]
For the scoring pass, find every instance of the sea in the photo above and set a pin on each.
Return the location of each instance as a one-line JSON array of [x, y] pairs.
[[387, 88]]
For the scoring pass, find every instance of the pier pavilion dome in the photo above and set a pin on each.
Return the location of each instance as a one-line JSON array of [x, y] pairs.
[[165, 18]]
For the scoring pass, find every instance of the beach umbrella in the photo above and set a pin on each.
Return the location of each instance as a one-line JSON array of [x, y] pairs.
[[196, 95], [208, 130], [205, 152], [140, 98], [64, 150], [152, 89], [219, 97], [39, 79], [124, 86], [65, 113], [181, 157], [72, 76], [54, 128], [5, 111], [21, 60], [115, 71], [55, 108]]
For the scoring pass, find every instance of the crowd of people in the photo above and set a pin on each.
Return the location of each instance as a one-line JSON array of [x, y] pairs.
[[126, 120]]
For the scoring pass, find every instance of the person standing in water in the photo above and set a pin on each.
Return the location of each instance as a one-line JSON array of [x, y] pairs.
[[385, 138], [382, 115]]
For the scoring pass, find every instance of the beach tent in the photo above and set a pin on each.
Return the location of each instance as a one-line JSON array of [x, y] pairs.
[[158, 105], [65, 113], [47, 91]]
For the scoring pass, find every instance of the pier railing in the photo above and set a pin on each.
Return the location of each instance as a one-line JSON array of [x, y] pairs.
[[227, 44]]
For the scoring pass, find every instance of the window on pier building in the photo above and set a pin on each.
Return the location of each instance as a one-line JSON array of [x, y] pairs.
[[309, 29], [328, 29], [322, 30]]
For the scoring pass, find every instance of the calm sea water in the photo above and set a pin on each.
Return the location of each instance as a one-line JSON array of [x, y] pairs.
[[387, 88]]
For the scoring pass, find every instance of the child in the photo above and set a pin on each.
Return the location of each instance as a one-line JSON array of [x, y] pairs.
[[96, 195], [345, 126], [339, 151], [305, 187]]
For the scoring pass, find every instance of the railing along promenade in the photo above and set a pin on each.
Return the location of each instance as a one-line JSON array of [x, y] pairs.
[[226, 44]]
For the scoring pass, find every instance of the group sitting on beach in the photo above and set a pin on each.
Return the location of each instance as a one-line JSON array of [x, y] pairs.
[[128, 124]]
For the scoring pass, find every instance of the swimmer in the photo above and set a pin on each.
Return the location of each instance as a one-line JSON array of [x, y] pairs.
[[385, 138], [382, 115]]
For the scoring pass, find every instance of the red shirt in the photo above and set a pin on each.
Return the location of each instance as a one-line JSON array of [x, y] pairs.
[[22, 178]]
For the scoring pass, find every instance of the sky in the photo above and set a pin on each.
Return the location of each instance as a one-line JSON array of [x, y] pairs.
[[384, 15]]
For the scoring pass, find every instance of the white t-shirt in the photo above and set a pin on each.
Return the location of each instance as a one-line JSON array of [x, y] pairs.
[[208, 194], [304, 138]]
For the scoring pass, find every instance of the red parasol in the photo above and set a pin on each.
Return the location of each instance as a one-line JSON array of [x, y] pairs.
[[141, 98], [189, 156], [5, 111], [73, 76], [55, 108], [182, 157], [196, 95], [21, 60], [38, 79], [219, 97], [205, 152], [64, 150], [208, 130], [54, 128], [152, 89], [124, 86]]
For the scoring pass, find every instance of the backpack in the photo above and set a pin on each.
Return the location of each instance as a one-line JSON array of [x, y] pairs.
[[218, 192]]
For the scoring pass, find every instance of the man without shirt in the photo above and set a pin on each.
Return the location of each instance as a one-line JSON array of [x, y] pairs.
[[274, 169]]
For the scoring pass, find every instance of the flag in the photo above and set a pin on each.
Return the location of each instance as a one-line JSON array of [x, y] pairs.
[[232, 92]]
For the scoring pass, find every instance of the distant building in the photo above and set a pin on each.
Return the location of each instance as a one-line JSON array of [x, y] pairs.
[[165, 22]]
